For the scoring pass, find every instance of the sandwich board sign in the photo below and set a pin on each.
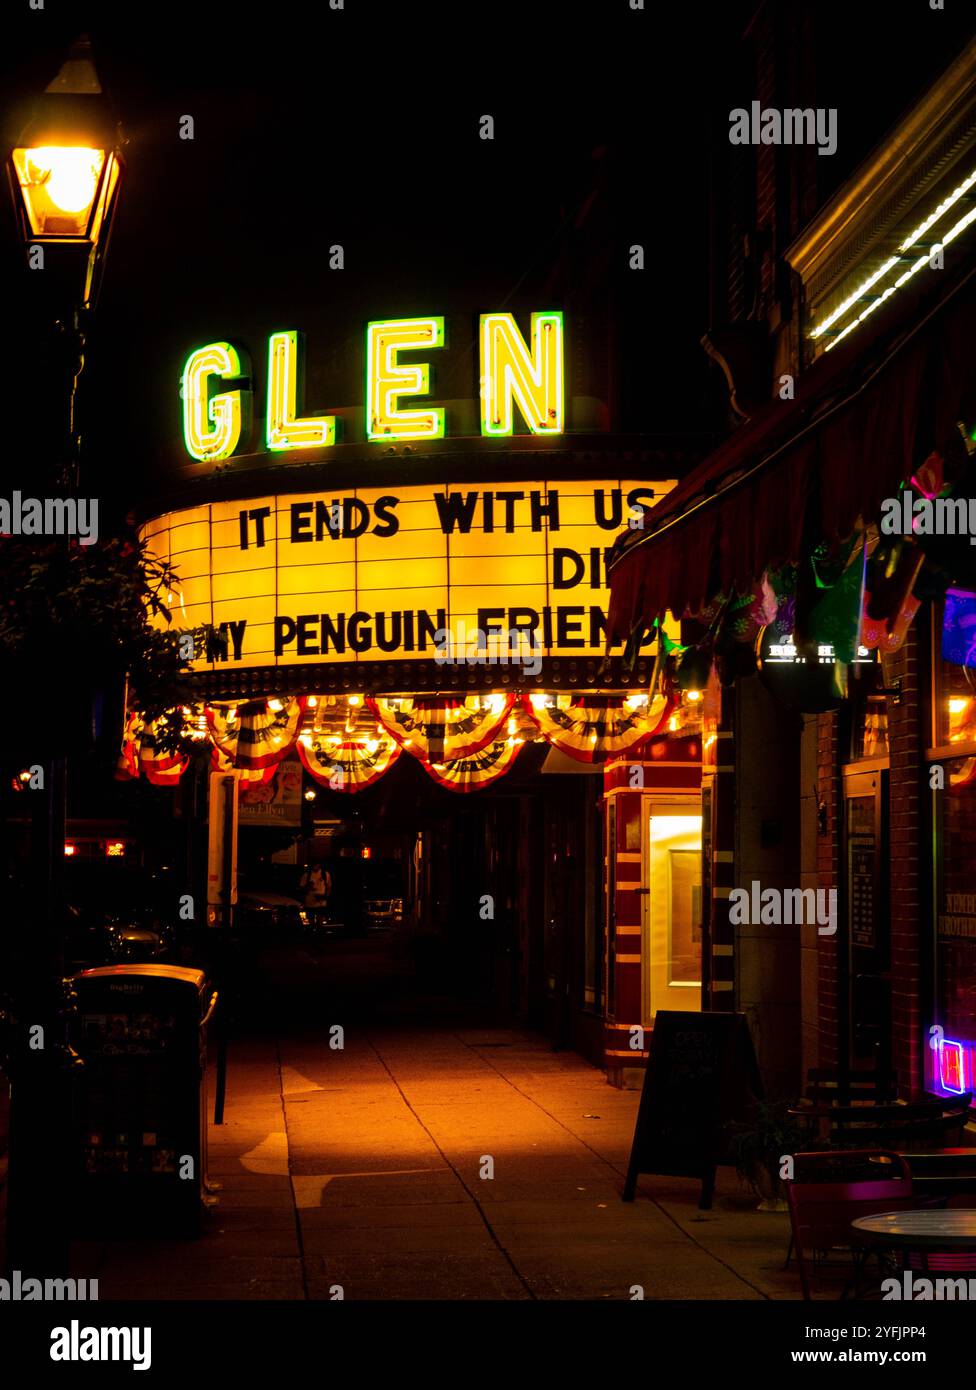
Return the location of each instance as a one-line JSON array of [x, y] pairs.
[[701, 1078]]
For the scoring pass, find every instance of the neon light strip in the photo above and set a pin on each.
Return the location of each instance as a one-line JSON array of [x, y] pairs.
[[958, 1054], [387, 380], [283, 429], [211, 431], [913, 269], [892, 261], [509, 372], [861, 290]]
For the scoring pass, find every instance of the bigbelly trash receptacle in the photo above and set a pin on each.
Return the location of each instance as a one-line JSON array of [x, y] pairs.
[[140, 1104]]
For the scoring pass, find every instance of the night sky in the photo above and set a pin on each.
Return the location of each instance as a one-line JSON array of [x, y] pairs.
[[360, 127]]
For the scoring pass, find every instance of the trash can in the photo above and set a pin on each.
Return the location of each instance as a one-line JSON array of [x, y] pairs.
[[140, 1101]]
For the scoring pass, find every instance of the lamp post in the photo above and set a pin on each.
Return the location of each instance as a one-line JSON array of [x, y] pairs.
[[64, 172]]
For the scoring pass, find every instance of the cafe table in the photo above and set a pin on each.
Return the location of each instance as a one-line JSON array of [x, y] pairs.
[[924, 1231]]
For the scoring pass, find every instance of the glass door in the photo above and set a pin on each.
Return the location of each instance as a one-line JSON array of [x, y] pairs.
[[672, 936]]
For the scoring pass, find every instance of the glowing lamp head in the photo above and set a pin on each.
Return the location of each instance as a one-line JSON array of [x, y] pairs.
[[59, 185], [64, 169]]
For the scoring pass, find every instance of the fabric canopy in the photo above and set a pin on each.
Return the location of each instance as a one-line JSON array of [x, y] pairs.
[[864, 417]]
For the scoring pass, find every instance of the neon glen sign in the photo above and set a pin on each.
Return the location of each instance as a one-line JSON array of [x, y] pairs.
[[528, 376]]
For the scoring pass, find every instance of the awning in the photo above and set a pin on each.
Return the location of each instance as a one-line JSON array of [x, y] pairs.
[[864, 417]]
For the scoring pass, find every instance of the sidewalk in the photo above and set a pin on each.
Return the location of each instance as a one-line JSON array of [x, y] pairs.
[[363, 1168]]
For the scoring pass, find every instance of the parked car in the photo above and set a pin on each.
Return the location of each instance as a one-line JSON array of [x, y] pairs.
[[383, 913], [117, 914], [133, 942], [382, 895], [273, 914]]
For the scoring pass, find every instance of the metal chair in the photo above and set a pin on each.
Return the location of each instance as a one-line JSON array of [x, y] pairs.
[[825, 1202]]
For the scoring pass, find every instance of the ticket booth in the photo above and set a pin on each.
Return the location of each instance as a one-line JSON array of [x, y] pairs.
[[140, 1122]]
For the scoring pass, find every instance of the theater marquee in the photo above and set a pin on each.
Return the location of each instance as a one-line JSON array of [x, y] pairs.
[[375, 574]]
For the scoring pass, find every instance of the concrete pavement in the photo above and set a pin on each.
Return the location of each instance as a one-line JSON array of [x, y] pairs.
[[431, 1161]]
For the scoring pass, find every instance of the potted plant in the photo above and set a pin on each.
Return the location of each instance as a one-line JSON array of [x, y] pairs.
[[759, 1148]]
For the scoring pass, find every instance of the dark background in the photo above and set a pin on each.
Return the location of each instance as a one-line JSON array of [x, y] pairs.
[[360, 127]]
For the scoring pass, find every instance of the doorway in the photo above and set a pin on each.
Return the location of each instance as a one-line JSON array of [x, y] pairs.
[[671, 917]]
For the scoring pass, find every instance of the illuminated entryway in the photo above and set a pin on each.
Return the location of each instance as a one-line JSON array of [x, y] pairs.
[[671, 915]]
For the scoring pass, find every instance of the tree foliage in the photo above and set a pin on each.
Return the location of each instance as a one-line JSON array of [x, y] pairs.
[[77, 620]]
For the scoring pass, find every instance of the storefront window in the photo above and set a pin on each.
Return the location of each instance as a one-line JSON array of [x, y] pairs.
[[870, 734], [955, 699]]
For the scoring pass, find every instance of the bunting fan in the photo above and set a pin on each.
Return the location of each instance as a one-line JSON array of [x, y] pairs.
[[477, 770], [347, 762], [442, 728], [592, 728], [258, 733], [220, 762], [141, 754]]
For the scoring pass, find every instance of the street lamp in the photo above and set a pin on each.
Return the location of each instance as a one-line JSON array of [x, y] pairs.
[[64, 174]]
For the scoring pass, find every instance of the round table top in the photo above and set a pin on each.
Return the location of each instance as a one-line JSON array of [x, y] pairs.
[[928, 1229]]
